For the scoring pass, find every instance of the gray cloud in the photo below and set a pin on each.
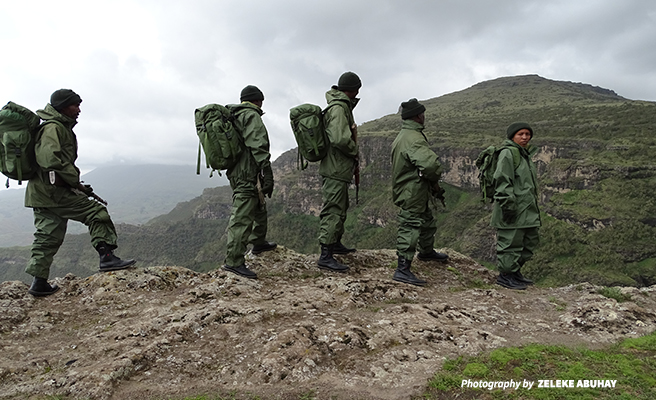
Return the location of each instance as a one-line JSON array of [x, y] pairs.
[[143, 66]]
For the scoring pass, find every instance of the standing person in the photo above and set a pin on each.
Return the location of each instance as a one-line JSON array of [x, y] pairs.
[[56, 195], [337, 168], [250, 179], [416, 172], [516, 214]]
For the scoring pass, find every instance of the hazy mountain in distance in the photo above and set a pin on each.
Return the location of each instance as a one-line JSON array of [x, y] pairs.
[[135, 193]]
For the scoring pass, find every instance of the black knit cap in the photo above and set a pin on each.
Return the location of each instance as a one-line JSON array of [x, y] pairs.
[[411, 108], [63, 98], [250, 93], [517, 126], [349, 81]]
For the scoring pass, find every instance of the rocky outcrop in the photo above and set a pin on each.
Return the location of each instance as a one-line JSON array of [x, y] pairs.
[[162, 332]]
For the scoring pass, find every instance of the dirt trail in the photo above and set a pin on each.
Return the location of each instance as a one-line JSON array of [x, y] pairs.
[[167, 332]]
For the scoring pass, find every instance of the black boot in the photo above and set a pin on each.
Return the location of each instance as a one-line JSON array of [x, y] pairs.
[[40, 287], [508, 281], [261, 248], [522, 279], [432, 256], [339, 248], [328, 262], [241, 270], [108, 261], [403, 273]]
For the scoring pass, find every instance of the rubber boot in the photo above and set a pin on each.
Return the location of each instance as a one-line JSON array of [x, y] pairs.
[[328, 262], [40, 287], [403, 273], [108, 261]]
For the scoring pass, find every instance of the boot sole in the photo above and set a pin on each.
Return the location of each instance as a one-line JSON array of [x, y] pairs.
[[409, 282], [256, 252], [341, 271], [254, 276], [507, 286], [344, 252], [433, 259], [117, 268], [43, 294]]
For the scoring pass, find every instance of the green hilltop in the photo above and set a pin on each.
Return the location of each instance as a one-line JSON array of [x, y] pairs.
[[596, 170]]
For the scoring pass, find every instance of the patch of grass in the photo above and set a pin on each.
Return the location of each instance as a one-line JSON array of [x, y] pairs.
[[614, 293], [631, 364], [560, 305], [403, 300], [310, 395], [478, 283]]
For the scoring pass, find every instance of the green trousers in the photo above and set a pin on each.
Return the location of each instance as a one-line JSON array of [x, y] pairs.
[[247, 224], [416, 232], [51, 223], [515, 247], [333, 214]]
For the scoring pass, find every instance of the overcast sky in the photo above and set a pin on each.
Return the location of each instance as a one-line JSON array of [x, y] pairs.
[[143, 66]]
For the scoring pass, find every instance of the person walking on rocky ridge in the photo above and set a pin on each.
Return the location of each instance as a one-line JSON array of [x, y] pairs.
[[337, 168], [516, 214], [416, 173], [56, 195], [250, 179]]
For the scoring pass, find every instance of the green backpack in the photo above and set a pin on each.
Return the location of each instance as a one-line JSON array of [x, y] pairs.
[[18, 129], [219, 138], [311, 138], [487, 165]]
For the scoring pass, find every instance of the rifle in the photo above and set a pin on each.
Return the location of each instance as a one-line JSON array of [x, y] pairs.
[[82, 189], [438, 193], [88, 191], [260, 179], [356, 164]]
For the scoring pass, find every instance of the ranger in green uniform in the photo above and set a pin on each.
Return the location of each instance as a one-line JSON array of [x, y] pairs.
[[56, 195], [416, 172], [516, 214], [337, 168], [250, 179]]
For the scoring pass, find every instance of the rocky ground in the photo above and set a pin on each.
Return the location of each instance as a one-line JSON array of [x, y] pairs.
[[168, 332]]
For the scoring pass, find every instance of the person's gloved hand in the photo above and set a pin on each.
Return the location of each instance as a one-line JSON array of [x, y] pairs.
[[267, 181]]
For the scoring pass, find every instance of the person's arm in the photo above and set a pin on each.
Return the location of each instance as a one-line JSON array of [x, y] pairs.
[[504, 180], [256, 139], [426, 161], [339, 131], [48, 153]]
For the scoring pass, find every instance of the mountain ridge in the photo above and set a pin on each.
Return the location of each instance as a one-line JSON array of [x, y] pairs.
[[596, 175]]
